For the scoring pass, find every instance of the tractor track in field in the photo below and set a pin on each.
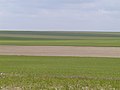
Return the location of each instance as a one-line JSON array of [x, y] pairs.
[[61, 51]]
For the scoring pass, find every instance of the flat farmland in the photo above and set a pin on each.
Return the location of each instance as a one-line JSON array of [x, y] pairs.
[[31, 38], [61, 51], [59, 73], [37, 60]]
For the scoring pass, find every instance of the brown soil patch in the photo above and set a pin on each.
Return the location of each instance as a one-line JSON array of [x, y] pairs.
[[60, 51]]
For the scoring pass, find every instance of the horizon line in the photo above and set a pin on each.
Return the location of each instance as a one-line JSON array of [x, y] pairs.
[[59, 30]]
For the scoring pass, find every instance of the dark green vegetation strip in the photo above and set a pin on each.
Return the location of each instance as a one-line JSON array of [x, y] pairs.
[[63, 73], [40, 38]]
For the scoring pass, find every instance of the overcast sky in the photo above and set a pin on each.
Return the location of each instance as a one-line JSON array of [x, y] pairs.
[[60, 15]]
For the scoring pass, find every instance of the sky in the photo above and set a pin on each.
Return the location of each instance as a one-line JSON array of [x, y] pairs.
[[83, 15]]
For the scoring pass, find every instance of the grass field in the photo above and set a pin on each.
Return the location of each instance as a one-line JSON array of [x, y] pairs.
[[59, 73], [29, 38]]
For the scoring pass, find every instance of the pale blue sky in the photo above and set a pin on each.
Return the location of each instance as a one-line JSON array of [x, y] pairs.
[[60, 15]]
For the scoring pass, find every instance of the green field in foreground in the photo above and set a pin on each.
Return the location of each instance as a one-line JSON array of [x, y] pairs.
[[42, 38], [59, 73]]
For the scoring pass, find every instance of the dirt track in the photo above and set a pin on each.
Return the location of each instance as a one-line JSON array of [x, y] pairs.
[[61, 51]]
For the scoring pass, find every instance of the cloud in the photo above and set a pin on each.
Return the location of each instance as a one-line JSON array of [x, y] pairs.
[[60, 14]]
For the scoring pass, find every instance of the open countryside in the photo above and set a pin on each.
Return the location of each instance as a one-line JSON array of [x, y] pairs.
[[59, 60]]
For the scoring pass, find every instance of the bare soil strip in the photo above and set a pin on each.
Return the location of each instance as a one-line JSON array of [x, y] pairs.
[[61, 51]]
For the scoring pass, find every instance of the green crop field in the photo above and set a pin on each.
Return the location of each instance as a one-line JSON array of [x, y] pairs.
[[40, 38], [59, 73]]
